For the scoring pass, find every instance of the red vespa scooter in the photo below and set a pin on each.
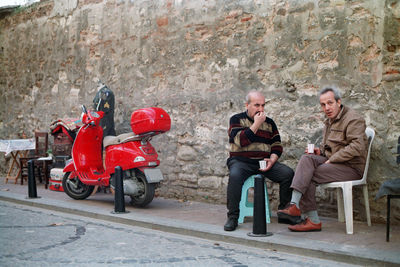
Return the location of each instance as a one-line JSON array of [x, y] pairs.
[[131, 151]]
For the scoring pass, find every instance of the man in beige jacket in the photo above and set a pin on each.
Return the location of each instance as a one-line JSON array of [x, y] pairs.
[[341, 158]]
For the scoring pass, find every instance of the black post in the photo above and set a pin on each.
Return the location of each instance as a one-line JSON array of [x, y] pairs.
[[259, 216], [388, 217], [119, 200], [32, 193]]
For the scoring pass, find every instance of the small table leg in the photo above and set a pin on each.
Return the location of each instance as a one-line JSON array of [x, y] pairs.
[[46, 174], [14, 162]]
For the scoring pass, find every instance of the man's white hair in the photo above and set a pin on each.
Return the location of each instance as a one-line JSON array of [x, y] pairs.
[[331, 88]]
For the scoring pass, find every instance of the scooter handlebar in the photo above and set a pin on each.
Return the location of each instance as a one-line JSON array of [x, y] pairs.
[[90, 123]]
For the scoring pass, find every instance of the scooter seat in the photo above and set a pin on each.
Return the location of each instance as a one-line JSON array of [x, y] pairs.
[[115, 140]]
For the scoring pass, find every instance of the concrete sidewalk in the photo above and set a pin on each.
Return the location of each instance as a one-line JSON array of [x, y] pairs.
[[367, 246]]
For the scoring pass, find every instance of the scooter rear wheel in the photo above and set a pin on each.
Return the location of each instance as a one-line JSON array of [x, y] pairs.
[[74, 188], [148, 194]]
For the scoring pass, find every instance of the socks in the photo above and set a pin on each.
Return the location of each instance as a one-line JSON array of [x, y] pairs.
[[296, 195], [312, 215]]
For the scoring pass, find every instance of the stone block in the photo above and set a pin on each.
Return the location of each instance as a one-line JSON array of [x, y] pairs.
[[162, 21], [186, 153], [210, 182]]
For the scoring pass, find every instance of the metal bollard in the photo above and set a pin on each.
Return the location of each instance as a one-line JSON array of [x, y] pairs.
[[259, 216], [32, 192], [119, 199]]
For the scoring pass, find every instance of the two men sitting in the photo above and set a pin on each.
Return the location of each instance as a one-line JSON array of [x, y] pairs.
[[253, 136]]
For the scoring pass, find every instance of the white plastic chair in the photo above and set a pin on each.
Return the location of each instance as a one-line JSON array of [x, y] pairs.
[[345, 196]]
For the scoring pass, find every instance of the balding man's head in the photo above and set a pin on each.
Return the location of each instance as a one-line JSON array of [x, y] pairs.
[[253, 94], [255, 102]]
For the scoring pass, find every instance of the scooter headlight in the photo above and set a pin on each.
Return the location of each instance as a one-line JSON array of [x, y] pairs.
[[139, 159]]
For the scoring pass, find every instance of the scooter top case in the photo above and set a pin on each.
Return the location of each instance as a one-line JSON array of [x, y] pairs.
[[150, 120]]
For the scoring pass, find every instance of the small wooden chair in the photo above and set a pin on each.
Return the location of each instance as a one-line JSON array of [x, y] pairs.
[[41, 166]]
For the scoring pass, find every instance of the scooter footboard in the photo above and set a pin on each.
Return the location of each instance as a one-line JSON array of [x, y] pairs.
[[153, 175]]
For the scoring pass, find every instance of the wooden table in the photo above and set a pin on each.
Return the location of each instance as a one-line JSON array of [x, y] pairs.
[[16, 148]]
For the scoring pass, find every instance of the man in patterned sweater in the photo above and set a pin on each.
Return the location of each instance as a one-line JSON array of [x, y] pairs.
[[254, 137]]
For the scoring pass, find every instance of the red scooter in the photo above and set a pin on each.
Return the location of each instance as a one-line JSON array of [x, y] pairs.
[[131, 151]]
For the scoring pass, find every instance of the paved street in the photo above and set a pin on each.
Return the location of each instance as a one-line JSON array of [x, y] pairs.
[[35, 237]]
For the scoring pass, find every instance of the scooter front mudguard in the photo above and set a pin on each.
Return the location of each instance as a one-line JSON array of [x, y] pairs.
[[69, 167]]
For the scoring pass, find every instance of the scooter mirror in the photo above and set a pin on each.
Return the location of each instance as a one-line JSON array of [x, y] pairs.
[[84, 110]]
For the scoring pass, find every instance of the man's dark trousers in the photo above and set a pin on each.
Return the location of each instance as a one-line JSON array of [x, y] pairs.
[[239, 171]]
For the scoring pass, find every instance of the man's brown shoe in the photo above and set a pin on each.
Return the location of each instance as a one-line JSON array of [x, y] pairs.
[[290, 214], [306, 226]]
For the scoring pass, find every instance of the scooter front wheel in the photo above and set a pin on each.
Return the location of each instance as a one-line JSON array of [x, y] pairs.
[[75, 188]]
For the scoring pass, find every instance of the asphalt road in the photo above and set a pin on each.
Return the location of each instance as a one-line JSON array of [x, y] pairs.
[[36, 237]]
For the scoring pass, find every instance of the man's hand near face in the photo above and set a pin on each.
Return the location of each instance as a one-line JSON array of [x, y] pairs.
[[259, 118]]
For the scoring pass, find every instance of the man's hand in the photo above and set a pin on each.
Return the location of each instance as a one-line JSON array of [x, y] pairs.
[[270, 162], [259, 118], [316, 151]]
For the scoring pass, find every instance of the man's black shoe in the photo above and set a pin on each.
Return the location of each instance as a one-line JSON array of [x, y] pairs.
[[291, 214], [288, 221], [231, 224]]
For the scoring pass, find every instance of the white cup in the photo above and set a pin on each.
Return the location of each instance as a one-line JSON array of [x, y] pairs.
[[263, 164], [310, 148]]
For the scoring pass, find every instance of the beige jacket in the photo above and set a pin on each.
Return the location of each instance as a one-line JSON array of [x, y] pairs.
[[345, 140]]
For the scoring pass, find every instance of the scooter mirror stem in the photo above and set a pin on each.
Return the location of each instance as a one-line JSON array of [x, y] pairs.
[[84, 110]]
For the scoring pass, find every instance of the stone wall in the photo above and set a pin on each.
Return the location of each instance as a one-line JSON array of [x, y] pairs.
[[197, 59]]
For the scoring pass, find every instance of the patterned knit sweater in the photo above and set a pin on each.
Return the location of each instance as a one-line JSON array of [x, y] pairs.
[[250, 147]]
